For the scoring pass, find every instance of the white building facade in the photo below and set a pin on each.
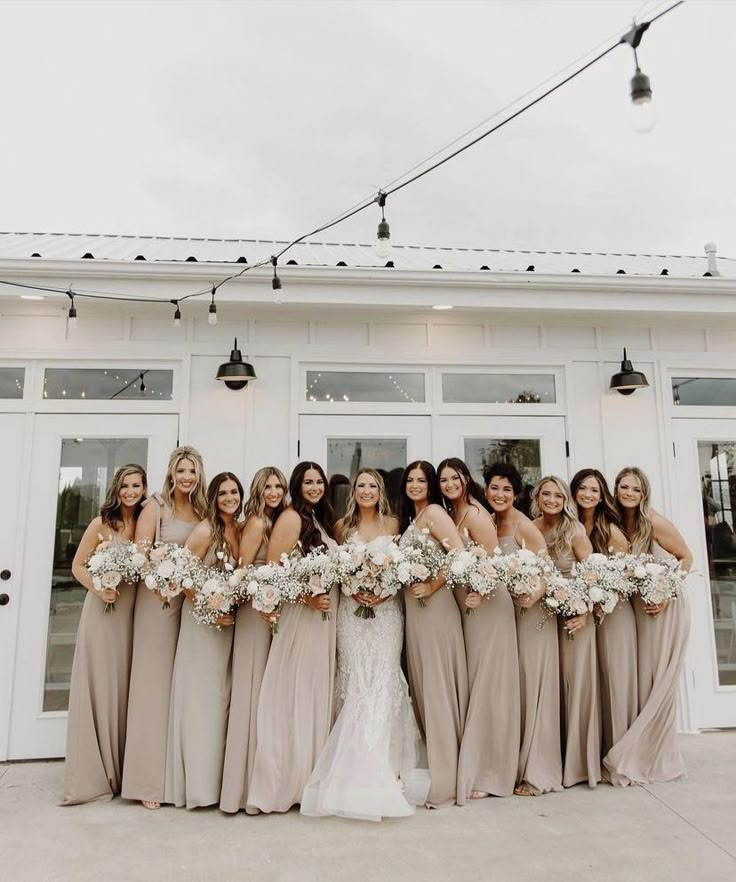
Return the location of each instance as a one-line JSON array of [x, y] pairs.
[[357, 367]]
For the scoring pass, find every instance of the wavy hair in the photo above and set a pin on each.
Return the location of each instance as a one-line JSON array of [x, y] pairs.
[[473, 490], [504, 470], [434, 497], [641, 535], [562, 534], [350, 520], [213, 516], [309, 535], [198, 493], [110, 508], [605, 515], [256, 506]]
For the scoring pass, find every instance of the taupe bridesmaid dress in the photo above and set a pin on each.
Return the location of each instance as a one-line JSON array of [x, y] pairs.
[[649, 753], [540, 760], [581, 706], [98, 699], [200, 700], [489, 752], [155, 635], [438, 683], [251, 642], [295, 704], [616, 644]]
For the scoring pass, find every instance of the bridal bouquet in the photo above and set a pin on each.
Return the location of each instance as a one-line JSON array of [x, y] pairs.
[[217, 591], [657, 581], [168, 569], [371, 567], [474, 569], [601, 578], [271, 585], [318, 571], [422, 559], [112, 563], [569, 597], [524, 572]]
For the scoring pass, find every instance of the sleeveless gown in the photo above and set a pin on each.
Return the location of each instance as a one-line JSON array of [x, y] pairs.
[[200, 700], [98, 699], [489, 752], [372, 747], [438, 683], [295, 704], [155, 635], [540, 761], [581, 708], [649, 753], [251, 642], [616, 645]]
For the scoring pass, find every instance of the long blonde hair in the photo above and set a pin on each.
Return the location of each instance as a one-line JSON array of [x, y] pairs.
[[641, 534], [560, 538], [198, 493], [352, 513], [256, 507]]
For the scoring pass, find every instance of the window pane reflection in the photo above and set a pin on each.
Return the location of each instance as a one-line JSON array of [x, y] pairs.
[[106, 384], [344, 386], [704, 391], [11, 382], [86, 469], [498, 388], [718, 486], [347, 456], [524, 453]]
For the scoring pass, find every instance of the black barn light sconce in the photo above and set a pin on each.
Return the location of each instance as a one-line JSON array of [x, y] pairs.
[[236, 373], [627, 380]]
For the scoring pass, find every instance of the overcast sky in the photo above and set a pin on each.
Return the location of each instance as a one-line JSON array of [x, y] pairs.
[[260, 120]]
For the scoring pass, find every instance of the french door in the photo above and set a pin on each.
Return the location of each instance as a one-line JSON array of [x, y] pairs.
[[72, 460], [704, 496]]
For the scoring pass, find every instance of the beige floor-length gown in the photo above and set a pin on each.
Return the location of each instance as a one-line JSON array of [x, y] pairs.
[[581, 705], [295, 708], [438, 684], [489, 753], [616, 645], [540, 759], [98, 699], [200, 700], [251, 642], [649, 753], [155, 635]]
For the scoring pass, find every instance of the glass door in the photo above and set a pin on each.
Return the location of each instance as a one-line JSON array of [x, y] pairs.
[[704, 492], [535, 445], [73, 459], [343, 444]]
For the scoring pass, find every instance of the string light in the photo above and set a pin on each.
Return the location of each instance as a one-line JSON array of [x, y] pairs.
[[643, 118], [72, 314], [212, 317], [278, 293], [383, 243], [177, 314]]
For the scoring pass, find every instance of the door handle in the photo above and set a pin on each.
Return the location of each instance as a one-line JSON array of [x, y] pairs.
[[5, 575], [4, 599]]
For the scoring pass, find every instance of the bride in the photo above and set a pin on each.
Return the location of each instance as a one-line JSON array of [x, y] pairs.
[[368, 767]]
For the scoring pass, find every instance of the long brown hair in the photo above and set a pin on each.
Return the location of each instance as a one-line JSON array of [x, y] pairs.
[[352, 513], [605, 515], [561, 536], [213, 516], [309, 535], [473, 491], [256, 507], [641, 534], [407, 511], [197, 495], [110, 509]]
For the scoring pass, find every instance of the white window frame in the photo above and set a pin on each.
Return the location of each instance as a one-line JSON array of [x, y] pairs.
[[501, 409], [364, 407], [695, 411], [18, 405]]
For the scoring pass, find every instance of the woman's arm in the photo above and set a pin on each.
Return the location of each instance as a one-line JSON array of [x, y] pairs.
[[481, 529], [145, 528], [531, 537], [581, 545], [89, 541], [198, 543], [284, 536], [250, 541], [669, 537]]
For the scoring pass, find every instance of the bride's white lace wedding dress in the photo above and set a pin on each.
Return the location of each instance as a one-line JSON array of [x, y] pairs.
[[368, 767]]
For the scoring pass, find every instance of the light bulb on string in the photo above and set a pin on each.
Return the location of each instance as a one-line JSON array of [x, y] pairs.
[[212, 316], [278, 291], [642, 112], [383, 240], [177, 314], [72, 314]]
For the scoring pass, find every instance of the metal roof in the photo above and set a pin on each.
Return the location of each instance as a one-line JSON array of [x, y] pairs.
[[75, 246]]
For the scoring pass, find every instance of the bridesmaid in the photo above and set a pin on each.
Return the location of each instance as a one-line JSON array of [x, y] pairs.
[[168, 517], [98, 696], [649, 753], [567, 543], [616, 634], [295, 705], [200, 686], [435, 652], [489, 753], [251, 642], [540, 762]]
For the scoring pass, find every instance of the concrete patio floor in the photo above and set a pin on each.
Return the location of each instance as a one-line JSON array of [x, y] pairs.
[[672, 832]]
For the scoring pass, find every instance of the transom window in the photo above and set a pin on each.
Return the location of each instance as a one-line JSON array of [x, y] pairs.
[[497, 388], [365, 386], [11, 382], [106, 384], [704, 391]]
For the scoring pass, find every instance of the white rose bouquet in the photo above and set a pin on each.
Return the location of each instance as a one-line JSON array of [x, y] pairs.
[[371, 567], [218, 590], [422, 560], [317, 571], [523, 572], [271, 585], [473, 569], [568, 597], [111, 564], [600, 577], [169, 569], [657, 581]]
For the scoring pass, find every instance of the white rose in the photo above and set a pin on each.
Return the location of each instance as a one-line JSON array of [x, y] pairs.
[[187, 583], [640, 572], [97, 582], [150, 582], [138, 560], [251, 587], [596, 594], [165, 569], [551, 602]]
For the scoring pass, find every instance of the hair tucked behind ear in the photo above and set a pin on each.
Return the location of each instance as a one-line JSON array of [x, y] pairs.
[[309, 535]]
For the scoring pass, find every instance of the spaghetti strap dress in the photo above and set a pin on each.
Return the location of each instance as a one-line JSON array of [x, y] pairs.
[[489, 752], [616, 644], [251, 642], [540, 761], [295, 708], [438, 683], [200, 700], [98, 699], [649, 753], [155, 635], [581, 707]]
